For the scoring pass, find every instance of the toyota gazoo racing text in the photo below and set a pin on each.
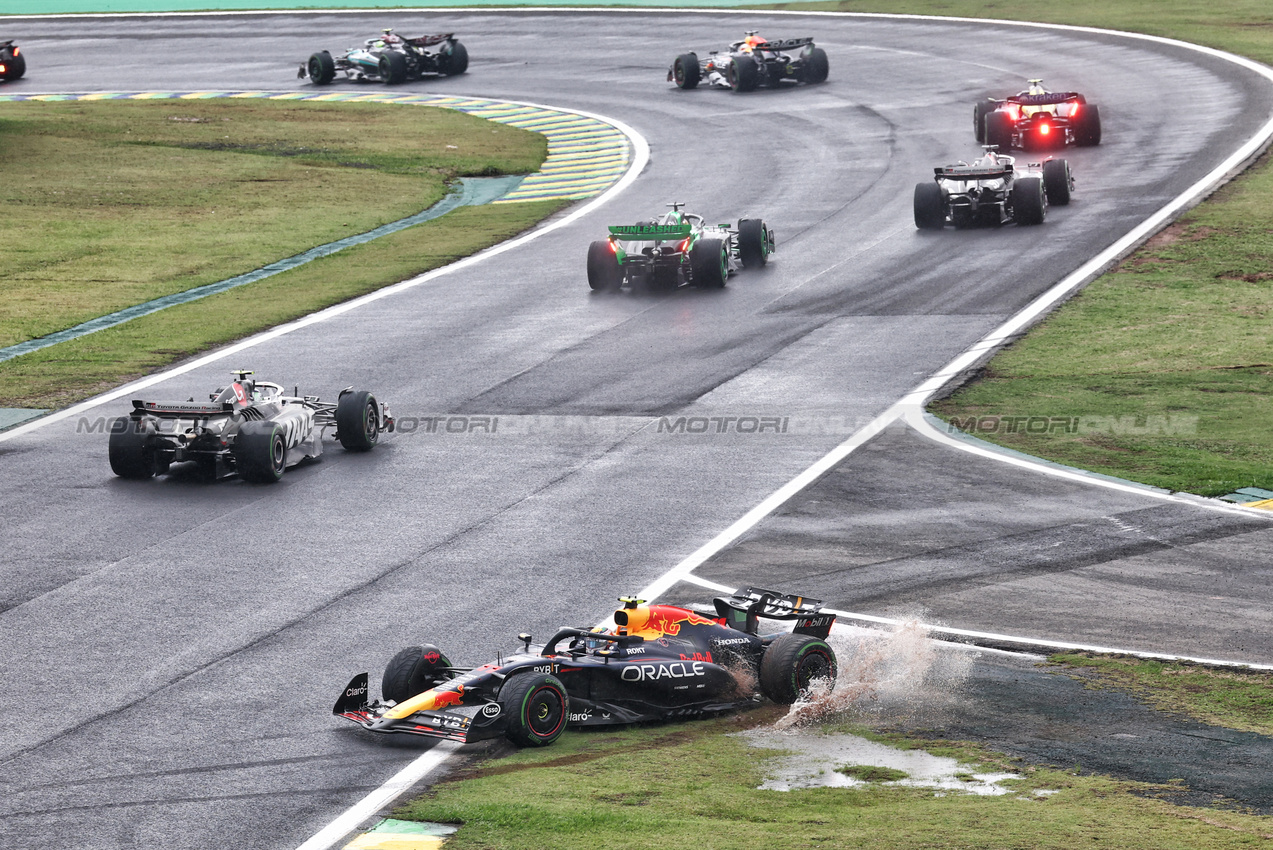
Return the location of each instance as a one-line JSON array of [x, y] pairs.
[[657, 662], [250, 427], [391, 59], [676, 249], [752, 62], [12, 63], [1037, 119], [991, 191]]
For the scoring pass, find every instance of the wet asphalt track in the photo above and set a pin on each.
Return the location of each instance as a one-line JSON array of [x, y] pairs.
[[172, 648]]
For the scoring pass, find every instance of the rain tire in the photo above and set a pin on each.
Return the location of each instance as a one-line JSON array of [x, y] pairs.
[[537, 707], [358, 421], [753, 243], [792, 663], [686, 72], [260, 452], [413, 671]]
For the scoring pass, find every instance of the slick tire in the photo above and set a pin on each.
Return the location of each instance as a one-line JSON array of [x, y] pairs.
[[709, 265], [413, 671], [792, 663], [260, 452], [753, 243], [1029, 203], [358, 421], [743, 74], [455, 61], [321, 68], [393, 68], [1057, 182], [980, 110], [1087, 133], [816, 67], [536, 706], [604, 273], [130, 453], [15, 67], [930, 207], [998, 131], [686, 72]]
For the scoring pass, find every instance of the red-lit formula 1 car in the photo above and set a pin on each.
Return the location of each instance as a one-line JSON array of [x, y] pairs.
[[391, 59], [751, 63], [1037, 119], [12, 63], [658, 662], [250, 427], [991, 191]]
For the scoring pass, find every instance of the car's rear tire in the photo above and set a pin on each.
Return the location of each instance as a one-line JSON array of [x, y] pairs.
[[322, 68], [413, 671], [15, 67], [816, 66], [753, 243], [930, 206], [686, 72], [260, 452], [980, 110], [1057, 182], [604, 272], [393, 67], [999, 131], [130, 453], [792, 663], [1029, 204], [709, 265], [537, 707], [454, 61], [743, 75], [1087, 132], [358, 421]]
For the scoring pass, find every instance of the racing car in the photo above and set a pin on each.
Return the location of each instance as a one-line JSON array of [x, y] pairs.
[[1037, 119], [676, 249], [657, 662], [12, 63], [991, 190], [391, 59], [752, 62], [250, 427]]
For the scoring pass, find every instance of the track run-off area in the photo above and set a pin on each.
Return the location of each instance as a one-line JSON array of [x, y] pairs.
[[174, 647]]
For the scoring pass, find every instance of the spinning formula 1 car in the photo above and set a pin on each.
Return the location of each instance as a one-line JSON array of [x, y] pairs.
[[12, 63], [752, 62], [676, 249], [991, 191], [249, 427], [391, 59], [659, 662], [1037, 119]]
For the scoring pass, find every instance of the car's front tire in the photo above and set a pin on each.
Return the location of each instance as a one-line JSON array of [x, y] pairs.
[[537, 707], [358, 421], [792, 663], [260, 452], [1057, 182], [321, 68], [686, 72], [412, 672], [753, 243]]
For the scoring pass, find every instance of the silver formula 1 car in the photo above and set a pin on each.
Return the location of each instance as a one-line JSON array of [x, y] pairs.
[[252, 428], [676, 249], [992, 191], [1037, 119], [391, 59], [751, 63]]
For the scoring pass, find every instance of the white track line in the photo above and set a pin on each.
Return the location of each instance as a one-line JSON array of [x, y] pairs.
[[640, 157]]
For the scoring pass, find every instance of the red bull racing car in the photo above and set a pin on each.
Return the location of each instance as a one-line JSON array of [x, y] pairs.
[[250, 427], [391, 59], [992, 191], [1037, 119], [657, 662], [12, 63], [676, 249], [751, 63]]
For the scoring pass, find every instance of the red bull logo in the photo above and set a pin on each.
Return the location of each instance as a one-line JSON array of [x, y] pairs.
[[666, 619], [442, 699]]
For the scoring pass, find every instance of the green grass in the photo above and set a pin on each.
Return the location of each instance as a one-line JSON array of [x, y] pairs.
[[1235, 699], [694, 785], [873, 773], [113, 203]]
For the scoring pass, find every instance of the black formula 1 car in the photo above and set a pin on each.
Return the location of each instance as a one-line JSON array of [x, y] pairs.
[[676, 249], [658, 662], [1037, 119], [391, 59], [250, 427], [12, 63], [991, 191], [751, 63]]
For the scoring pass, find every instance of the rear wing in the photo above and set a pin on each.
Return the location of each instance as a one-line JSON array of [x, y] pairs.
[[651, 232], [965, 172], [784, 44], [1045, 99], [742, 610], [185, 409], [429, 40]]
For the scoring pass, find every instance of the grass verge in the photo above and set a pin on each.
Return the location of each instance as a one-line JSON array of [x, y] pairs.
[[695, 785], [1234, 699], [1163, 367], [109, 204]]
